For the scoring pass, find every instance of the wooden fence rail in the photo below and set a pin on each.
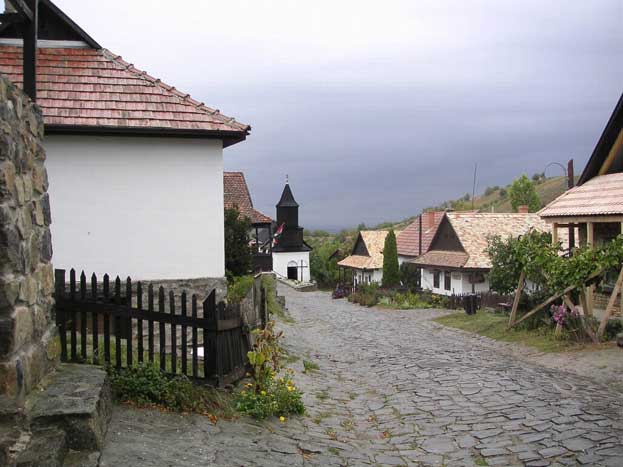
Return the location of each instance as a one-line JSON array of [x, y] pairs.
[[218, 336], [484, 299]]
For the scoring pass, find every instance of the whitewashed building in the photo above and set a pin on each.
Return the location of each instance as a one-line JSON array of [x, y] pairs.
[[456, 261], [290, 253], [366, 259], [135, 166]]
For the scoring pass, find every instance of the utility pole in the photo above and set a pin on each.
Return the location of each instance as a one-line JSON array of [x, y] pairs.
[[570, 184]]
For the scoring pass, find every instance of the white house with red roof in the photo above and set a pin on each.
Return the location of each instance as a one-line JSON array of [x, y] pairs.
[[135, 166]]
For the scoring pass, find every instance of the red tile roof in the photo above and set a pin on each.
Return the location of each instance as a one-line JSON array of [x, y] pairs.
[[87, 88], [236, 193], [408, 241]]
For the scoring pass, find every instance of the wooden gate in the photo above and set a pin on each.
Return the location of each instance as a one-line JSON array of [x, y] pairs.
[[126, 325]]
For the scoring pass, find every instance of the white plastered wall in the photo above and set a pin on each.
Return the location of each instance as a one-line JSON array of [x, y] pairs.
[[282, 260], [151, 208]]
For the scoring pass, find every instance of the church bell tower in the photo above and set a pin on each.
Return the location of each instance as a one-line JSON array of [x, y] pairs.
[[290, 252]]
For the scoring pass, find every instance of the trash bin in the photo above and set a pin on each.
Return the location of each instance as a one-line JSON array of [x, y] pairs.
[[470, 303]]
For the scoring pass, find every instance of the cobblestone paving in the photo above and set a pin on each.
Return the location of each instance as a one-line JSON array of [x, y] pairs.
[[393, 388]]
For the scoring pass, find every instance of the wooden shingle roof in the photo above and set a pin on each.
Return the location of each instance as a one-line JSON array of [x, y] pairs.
[[84, 89], [374, 240], [601, 195], [236, 193], [473, 230]]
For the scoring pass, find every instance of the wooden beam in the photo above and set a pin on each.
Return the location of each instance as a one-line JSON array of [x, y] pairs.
[[587, 329], [590, 233], [554, 234], [552, 299], [30, 31], [565, 220], [611, 303], [612, 154], [23, 9], [520, 286], [11, 18]]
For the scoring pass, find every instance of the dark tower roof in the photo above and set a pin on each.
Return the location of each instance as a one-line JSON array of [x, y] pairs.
[[287, 198]]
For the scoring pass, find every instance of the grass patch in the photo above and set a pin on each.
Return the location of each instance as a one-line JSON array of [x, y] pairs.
[[273, 306], [480, 461], [146, 385], [309, 366], [322, 395], [334, 451], [238, 289], [494, 326]]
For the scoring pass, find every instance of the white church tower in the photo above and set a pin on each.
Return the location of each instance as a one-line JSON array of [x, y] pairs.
[[290, 252]]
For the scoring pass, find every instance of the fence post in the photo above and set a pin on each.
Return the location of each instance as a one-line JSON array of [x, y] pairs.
[[59, 286], [211, 357], [263, 307]]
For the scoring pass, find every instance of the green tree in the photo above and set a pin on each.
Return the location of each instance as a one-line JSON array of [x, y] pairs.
[[522, 192], [391, 271], [324, 269], [237, 250]]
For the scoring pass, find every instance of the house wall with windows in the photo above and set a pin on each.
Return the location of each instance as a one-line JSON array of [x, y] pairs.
[[368, 276], [450, 282], [150, 208]]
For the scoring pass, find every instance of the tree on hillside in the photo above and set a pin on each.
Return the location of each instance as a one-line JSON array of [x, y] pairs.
[[237, 251], [522, 192], [391, 271]]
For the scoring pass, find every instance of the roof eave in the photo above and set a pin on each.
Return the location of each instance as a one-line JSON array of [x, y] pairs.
[[228, 137], [606, 139]]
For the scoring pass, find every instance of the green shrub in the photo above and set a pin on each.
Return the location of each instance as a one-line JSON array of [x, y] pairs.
[[279, 398], [309, 366], [267, 395], [366, 295], [145, 384], [239, 288]]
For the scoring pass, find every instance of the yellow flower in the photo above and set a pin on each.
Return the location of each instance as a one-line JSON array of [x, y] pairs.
[[290, 388], [243, 392], [263, 393], [282, 419]]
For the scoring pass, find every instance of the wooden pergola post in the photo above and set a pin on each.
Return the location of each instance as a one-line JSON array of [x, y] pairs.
[[611, 304], [589, 291], [554, 234], [520, 286]]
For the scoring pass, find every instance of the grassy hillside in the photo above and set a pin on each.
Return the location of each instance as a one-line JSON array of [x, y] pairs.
[[496, 198]]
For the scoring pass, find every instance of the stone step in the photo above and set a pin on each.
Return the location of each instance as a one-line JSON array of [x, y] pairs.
[[10, 411], [12, 441], [82, 459], [76, 399], [47, 448]]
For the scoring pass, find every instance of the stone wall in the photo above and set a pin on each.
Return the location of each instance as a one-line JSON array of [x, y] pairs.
[[202, 287], [28, 344]]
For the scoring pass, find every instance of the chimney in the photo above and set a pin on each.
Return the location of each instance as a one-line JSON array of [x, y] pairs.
[[429, 219], [523, 209]]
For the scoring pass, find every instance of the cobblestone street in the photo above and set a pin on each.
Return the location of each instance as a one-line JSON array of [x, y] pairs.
[[392, 388]]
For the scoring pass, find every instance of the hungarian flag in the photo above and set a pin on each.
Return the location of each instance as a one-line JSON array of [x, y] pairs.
[[277, 234]]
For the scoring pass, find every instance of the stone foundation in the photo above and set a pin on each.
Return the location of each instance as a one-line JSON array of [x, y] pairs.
[[28, 343], [202, 287]]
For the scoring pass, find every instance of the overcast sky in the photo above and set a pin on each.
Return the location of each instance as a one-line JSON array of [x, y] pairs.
[[379, 109]]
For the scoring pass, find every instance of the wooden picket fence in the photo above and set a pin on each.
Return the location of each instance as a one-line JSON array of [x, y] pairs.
[[211, 346], [484, 299]]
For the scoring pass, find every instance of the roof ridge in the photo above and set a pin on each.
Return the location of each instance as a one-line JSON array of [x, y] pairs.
[[129, 67]]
